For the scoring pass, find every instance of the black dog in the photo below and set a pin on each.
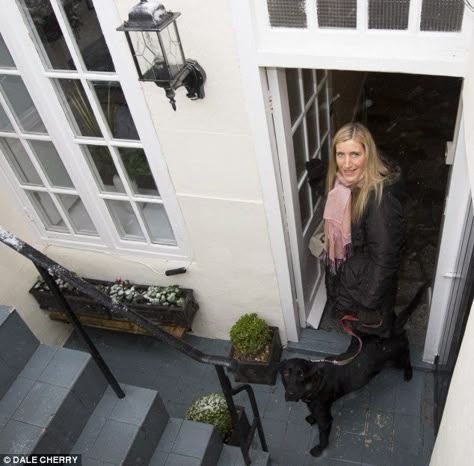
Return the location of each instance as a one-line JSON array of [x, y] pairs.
[[319, 384]]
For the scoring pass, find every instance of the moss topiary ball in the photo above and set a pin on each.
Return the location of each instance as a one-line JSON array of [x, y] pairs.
[[211, 409], [250, 335]]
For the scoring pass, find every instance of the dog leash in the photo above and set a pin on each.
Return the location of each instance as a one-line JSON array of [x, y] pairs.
[[347, 328]]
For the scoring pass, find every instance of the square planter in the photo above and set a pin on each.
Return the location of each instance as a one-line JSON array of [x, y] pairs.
[[180, 316], [261, 372]]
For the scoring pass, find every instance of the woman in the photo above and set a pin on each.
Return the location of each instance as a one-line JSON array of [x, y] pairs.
[[363, 216]]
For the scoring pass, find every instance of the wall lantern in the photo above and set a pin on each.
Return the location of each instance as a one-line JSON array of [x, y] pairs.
[[153, 38]]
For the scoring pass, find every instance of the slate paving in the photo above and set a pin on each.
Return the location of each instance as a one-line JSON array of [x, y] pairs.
[[387, 423]]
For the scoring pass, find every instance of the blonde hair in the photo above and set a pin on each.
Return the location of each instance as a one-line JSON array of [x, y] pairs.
[[374, 172]]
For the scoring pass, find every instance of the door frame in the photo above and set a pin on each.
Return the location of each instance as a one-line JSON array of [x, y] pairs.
[[259, 107], [456, 210]]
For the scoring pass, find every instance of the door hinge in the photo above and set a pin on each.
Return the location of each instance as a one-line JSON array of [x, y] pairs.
[[269, 102], [451, 275]]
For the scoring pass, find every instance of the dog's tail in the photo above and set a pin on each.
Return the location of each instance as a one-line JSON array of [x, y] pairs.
[[404, 315]]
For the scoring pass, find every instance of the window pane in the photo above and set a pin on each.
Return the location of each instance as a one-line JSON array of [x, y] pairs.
[[323, 111], [337, 13], [6, 60], [125, 220], [305, 205], [299, 148], [86, 29], [21, 104], [5, 124], [78, 108], [311, 126], [115, 109], [49, 38], [103, 168], [287, 13], [138, 171], [157, 222], [51, 163], [292, 84], [47, 211], [77, 214], [20, 162], [308, 85], [442, 15]]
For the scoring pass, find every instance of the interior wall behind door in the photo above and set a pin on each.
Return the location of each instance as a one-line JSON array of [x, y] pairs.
[[347, 92]]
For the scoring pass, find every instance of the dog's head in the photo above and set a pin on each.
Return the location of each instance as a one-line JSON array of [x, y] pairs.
[[300, 377]]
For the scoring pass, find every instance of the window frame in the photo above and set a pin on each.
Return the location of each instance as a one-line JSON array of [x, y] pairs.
[[38, 80]]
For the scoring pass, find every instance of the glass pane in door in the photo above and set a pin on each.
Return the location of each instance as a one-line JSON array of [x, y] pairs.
[[6, 60], [157, 222], [300, 151], [115, 109], [85, 27], [77, 214], [78, 108], [47, 211], [51, 163], [138, 171], [294, 96], [21, 104], [125, 220], [5, 124], [20, 162], [47, 32], [104, 170]]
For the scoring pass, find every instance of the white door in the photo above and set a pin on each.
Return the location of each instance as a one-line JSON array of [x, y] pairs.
[[302, 125], [449, 273]]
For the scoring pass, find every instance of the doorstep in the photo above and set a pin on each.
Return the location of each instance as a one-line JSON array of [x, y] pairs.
[[319, 343]]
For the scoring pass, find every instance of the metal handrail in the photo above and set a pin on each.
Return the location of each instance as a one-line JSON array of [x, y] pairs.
[[49, 270]]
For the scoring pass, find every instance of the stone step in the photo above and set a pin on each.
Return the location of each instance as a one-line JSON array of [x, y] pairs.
[[320, 343], [17, 344], [187, 443], [232, 456], [123, 431], [50, 401]]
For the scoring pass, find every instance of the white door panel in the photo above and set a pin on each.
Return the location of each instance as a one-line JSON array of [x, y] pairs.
[[302, 125]]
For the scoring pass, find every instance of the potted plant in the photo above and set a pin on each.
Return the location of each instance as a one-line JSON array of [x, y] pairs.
[[212, 409], [257, 347], [168, 305]]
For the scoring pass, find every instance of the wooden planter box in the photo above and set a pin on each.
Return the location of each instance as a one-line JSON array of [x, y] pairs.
[[261, 372], [83, 306]]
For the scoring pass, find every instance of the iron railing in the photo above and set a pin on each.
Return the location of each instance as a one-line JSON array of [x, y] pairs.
[[50, 270]]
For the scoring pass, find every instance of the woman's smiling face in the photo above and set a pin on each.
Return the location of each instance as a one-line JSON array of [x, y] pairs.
[[350, 159]]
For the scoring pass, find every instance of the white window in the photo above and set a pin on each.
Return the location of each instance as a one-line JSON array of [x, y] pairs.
[[76, 133]]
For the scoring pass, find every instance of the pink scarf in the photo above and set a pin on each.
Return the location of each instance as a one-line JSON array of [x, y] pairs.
[[337, 224]]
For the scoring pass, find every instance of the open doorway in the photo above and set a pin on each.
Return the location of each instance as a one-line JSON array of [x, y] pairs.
[[412, 118]]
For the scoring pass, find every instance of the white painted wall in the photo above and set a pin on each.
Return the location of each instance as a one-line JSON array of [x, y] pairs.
[[454, 444], [211, 159], [18, 273]]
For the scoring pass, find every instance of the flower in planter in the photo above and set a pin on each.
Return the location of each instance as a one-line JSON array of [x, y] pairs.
[[251, 338], [166, 296], [122, 292], [211, 409]]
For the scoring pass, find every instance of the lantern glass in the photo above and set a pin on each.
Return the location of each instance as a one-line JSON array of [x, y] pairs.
[[172, 49], [147, 51]]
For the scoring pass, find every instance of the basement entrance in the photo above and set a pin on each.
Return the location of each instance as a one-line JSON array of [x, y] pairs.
[[412, 119]]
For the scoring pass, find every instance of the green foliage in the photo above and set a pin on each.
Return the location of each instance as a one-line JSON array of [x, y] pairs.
[[211, 409], [250, 335]]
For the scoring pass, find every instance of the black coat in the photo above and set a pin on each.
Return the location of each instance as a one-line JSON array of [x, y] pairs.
[[366, 285]]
